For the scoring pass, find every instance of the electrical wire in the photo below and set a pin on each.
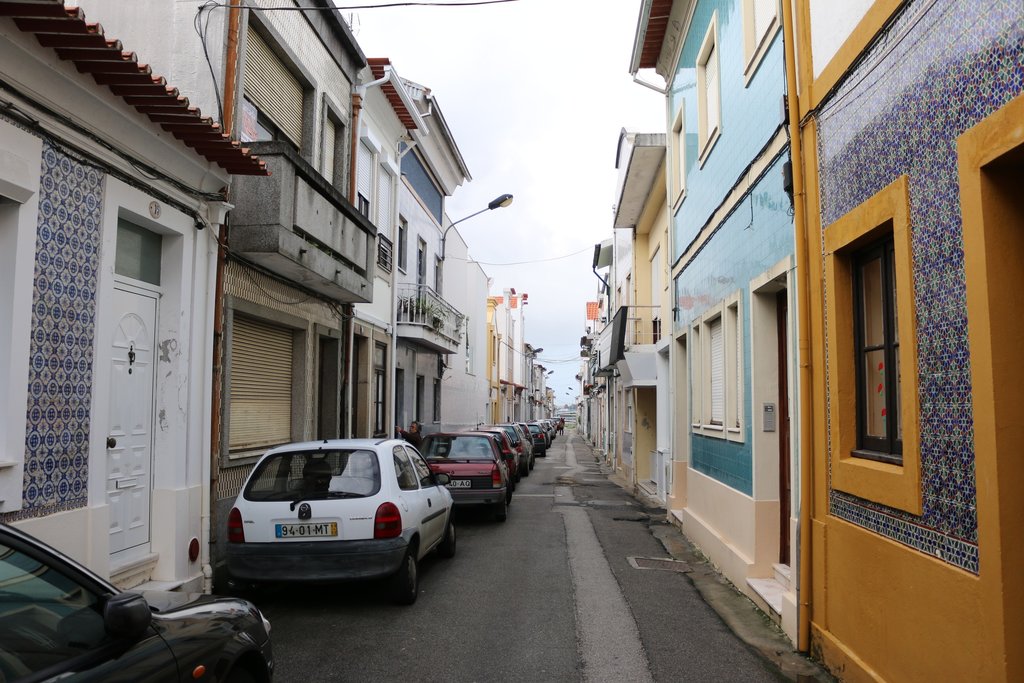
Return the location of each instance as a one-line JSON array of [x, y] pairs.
[[524, 263]]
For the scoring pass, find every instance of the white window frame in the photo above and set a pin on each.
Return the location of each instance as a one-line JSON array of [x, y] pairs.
[[728, 313], [756, 42], [709, 127], [678, 155]]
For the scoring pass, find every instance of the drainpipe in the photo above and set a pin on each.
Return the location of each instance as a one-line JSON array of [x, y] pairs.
[[804, 326], [209, 504]]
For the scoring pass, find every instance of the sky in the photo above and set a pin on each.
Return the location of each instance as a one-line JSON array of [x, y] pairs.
[[535, 93]]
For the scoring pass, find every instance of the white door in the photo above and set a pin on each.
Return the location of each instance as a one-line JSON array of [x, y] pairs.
[[130, 436]]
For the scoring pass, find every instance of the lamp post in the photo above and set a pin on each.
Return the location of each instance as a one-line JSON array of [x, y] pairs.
[[496, 203]]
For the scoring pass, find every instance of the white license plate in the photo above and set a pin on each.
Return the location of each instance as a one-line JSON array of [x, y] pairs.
[[307, 530], [460, 484]]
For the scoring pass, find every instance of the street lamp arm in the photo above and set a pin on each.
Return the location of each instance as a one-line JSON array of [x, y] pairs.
[[496, 203]]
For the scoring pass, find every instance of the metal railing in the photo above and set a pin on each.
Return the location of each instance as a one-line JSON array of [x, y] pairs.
[[643, 325], [421, 305]]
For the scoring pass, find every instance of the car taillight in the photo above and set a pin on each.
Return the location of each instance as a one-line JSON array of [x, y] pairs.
[[496, 477], [236, 534], [387, 523]]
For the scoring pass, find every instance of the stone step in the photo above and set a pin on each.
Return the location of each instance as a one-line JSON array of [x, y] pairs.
[[783, 574], [771, 592]]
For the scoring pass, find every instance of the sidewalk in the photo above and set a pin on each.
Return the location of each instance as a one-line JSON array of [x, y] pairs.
[[736, 610]]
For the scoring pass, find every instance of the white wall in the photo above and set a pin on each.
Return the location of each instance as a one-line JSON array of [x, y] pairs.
[[831, 24]]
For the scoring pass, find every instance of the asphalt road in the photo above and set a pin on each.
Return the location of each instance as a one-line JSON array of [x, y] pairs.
[[550, 595]]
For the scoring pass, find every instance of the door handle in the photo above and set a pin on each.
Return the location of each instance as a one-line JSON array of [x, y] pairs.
[[430, 502], [111, 442]]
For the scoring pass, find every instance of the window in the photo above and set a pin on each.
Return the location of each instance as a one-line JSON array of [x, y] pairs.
[[876, 350], [385, 252], [708, 92], [678, 156], [437, 400], [137, 254], [421, 262], [408, 480], [364, 179], [469, 349], [760, 20], [872, 351], [438, 274], [385, 183], [379, 387], [403, 235], [330, 144], [422, 469], [716, 370], [420, 390], [273, 104]]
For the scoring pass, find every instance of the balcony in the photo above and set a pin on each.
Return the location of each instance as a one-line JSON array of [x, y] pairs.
[[636, 331], [298, 226], [424, 318]]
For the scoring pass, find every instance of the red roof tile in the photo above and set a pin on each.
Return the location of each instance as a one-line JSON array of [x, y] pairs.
[[73, 39], [377, 65]]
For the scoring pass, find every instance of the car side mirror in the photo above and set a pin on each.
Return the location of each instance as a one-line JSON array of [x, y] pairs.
[[127, 615], [442, 479]]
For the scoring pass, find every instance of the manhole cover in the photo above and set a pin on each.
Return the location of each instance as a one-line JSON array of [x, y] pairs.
[[663, 563]]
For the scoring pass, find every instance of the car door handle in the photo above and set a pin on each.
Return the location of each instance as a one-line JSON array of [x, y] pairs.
[[430, 502]]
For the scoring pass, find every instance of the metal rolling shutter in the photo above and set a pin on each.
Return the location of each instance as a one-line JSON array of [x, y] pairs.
[[261, 385], [330, 140], [384, 202], [272, 87], [364, 173]]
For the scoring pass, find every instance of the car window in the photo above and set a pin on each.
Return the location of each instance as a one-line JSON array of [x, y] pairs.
[[46, 618], [314, 474], [426, 477], [458, 448], [406, 473], [513, 435]]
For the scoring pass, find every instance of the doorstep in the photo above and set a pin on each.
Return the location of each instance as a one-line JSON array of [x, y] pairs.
[[770, 591]]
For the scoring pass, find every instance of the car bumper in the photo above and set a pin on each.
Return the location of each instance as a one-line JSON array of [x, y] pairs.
[[316, 560], [478, 497]]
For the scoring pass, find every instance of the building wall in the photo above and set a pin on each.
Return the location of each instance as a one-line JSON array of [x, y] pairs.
[[930, 98]]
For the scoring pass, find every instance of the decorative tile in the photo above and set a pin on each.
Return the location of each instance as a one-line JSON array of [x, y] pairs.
[[937, 70]]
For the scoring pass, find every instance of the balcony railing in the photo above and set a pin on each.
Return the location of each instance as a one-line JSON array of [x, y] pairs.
[[421, 305], [643, 325]]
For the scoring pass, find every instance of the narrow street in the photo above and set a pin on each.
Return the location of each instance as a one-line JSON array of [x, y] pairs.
[[553, 594]]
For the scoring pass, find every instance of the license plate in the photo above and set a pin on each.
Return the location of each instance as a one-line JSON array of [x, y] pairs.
[[460, 484], [308, 530]]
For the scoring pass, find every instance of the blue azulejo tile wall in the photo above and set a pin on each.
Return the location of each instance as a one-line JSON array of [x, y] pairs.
[[937, 70], [62, 339], [752, 239], [751, 114]]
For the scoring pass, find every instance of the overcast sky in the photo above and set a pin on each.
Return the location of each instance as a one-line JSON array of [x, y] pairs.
[[535, 93]]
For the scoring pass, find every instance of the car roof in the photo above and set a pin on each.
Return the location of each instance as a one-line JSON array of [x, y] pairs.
[[332, 444]]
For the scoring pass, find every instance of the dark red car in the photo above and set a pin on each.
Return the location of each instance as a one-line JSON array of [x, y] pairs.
[[474, 464]]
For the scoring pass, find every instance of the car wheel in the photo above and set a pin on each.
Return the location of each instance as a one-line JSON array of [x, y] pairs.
[[501, 513], [405, 584], [240, 675], [447, 547], [525, 469], [533, 461]]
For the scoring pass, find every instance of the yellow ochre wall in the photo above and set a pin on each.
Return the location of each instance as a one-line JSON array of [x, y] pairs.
[[879, 610]]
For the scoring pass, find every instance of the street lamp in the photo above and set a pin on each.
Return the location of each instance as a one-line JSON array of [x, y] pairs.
[[496, 203]]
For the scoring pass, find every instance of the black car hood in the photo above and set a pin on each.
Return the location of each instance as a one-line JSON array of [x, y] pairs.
[[174, 603]]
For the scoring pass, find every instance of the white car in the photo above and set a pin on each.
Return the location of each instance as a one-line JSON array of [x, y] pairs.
[[337, 510]]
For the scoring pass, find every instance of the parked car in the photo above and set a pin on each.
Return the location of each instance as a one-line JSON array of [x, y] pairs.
[[509, 452], [549, 425], [540, 438], [59, 620], [477, 472], [339, 510], [523, 443], [525, 429]]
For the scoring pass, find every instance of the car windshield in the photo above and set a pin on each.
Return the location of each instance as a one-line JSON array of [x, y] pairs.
[[513, 435], [308, 475], [457, 448]]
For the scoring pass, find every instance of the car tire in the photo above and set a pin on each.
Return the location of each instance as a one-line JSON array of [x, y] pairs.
[[501, 514], [240, 675], [405, 583], [446, 549], [525, 469]]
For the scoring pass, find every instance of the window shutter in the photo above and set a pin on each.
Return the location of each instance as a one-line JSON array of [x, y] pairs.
[[261, 385], [272, 88], [330, 140], [717, 373], [711, 89], [364, 173], [384, 202]]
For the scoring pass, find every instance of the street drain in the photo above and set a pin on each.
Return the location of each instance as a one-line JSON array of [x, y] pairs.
[[662, 563]]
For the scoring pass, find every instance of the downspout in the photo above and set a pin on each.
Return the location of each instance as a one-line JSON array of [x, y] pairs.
[[209, 504], [803, 334]]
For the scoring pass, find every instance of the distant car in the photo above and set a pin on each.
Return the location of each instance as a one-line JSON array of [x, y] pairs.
[[338, 510], [524, 429], [474, 464], [540, 438], [523, 444], [58, 620], [509, 451]]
